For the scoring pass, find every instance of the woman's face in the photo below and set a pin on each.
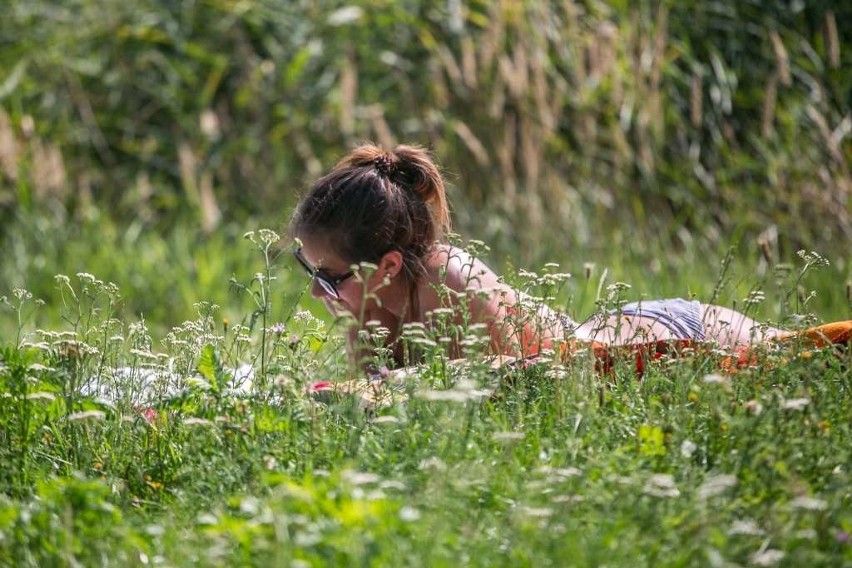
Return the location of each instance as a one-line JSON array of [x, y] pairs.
[[351, 290]]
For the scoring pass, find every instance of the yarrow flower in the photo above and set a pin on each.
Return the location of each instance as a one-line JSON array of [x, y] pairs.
[[385, 419], [409, 514], [539, 512], [360, 477], [661, 485], [87, 415], [746, 527], [687, 448], [716, 485], [507, 436], [462, 392], [808, 504], [795, 403], [193, 421], [753, 407], [715, 378], [769, 557]]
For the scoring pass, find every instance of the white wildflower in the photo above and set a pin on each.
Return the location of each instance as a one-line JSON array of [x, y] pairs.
[[538, 512], [560, 473], [444, 395], [557, 499], [769, 557], [687, 448], [795, 403], [808, 504], [385, 419], [715, 379], [86, 415], [345, 15], [442, 312], [746, 527], [409, 514], [433, 463], [556, 373], [807, 534], [463, 391], [192, 421], [360, 477], [507, 436], [86, 278], [661, 485], [250, 506], [155, 530], [41, 395], [716, 485]]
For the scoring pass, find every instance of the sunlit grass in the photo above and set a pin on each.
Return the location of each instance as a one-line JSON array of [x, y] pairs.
[[118, 449]]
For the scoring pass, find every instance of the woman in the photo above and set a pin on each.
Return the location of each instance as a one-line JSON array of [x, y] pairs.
[[389, 209]]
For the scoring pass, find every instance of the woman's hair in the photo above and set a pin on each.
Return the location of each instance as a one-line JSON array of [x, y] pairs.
[[374, 201]]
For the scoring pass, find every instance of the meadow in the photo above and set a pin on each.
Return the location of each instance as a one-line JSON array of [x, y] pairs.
[[124, 450], [158, 343]]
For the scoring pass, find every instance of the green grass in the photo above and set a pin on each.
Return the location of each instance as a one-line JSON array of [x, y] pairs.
[[656, 145], [558, 124], [161, 272], [558, 466]]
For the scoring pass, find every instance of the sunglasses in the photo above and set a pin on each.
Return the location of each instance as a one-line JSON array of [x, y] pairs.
[[329, 283]]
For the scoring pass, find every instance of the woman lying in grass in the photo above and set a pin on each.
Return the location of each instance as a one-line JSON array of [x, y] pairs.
[[389, 209]]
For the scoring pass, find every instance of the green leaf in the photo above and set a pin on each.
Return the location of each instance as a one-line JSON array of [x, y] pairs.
[[210, 367], [13, 80], [651, 440]]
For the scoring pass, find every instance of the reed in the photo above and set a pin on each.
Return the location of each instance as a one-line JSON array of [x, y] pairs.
[[528, 104]]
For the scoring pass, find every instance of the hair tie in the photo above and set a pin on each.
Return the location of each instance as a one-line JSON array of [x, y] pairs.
[[384, 165]]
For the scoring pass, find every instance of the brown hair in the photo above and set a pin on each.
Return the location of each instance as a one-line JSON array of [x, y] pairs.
[[375, 201]]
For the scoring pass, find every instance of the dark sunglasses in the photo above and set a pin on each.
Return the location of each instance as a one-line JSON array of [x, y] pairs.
[[328, 283]]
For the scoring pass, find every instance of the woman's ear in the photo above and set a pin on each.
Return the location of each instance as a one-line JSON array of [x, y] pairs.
[[390, 264]]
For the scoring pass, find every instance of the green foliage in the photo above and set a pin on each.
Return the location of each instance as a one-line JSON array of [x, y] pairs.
[[547, 471], [113, 452], [705, 121], [139, 141]]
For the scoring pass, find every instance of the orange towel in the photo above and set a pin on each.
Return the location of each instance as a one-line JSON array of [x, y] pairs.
[[834, 333]]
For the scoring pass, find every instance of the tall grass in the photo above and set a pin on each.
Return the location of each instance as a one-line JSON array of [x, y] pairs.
[[650, 149], [117, 450], [560, 123]]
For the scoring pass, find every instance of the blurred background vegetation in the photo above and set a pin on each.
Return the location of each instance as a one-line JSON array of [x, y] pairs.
[[140, 140]]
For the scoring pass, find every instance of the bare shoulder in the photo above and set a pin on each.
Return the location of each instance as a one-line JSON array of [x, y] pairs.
[[458, 270]]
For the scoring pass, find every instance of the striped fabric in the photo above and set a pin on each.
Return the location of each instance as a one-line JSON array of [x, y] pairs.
[[681, 316]]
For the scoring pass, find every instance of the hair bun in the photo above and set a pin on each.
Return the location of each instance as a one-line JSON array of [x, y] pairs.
[[385, 165]]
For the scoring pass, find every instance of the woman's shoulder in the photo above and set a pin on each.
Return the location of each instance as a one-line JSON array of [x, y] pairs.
[[459, 270]]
